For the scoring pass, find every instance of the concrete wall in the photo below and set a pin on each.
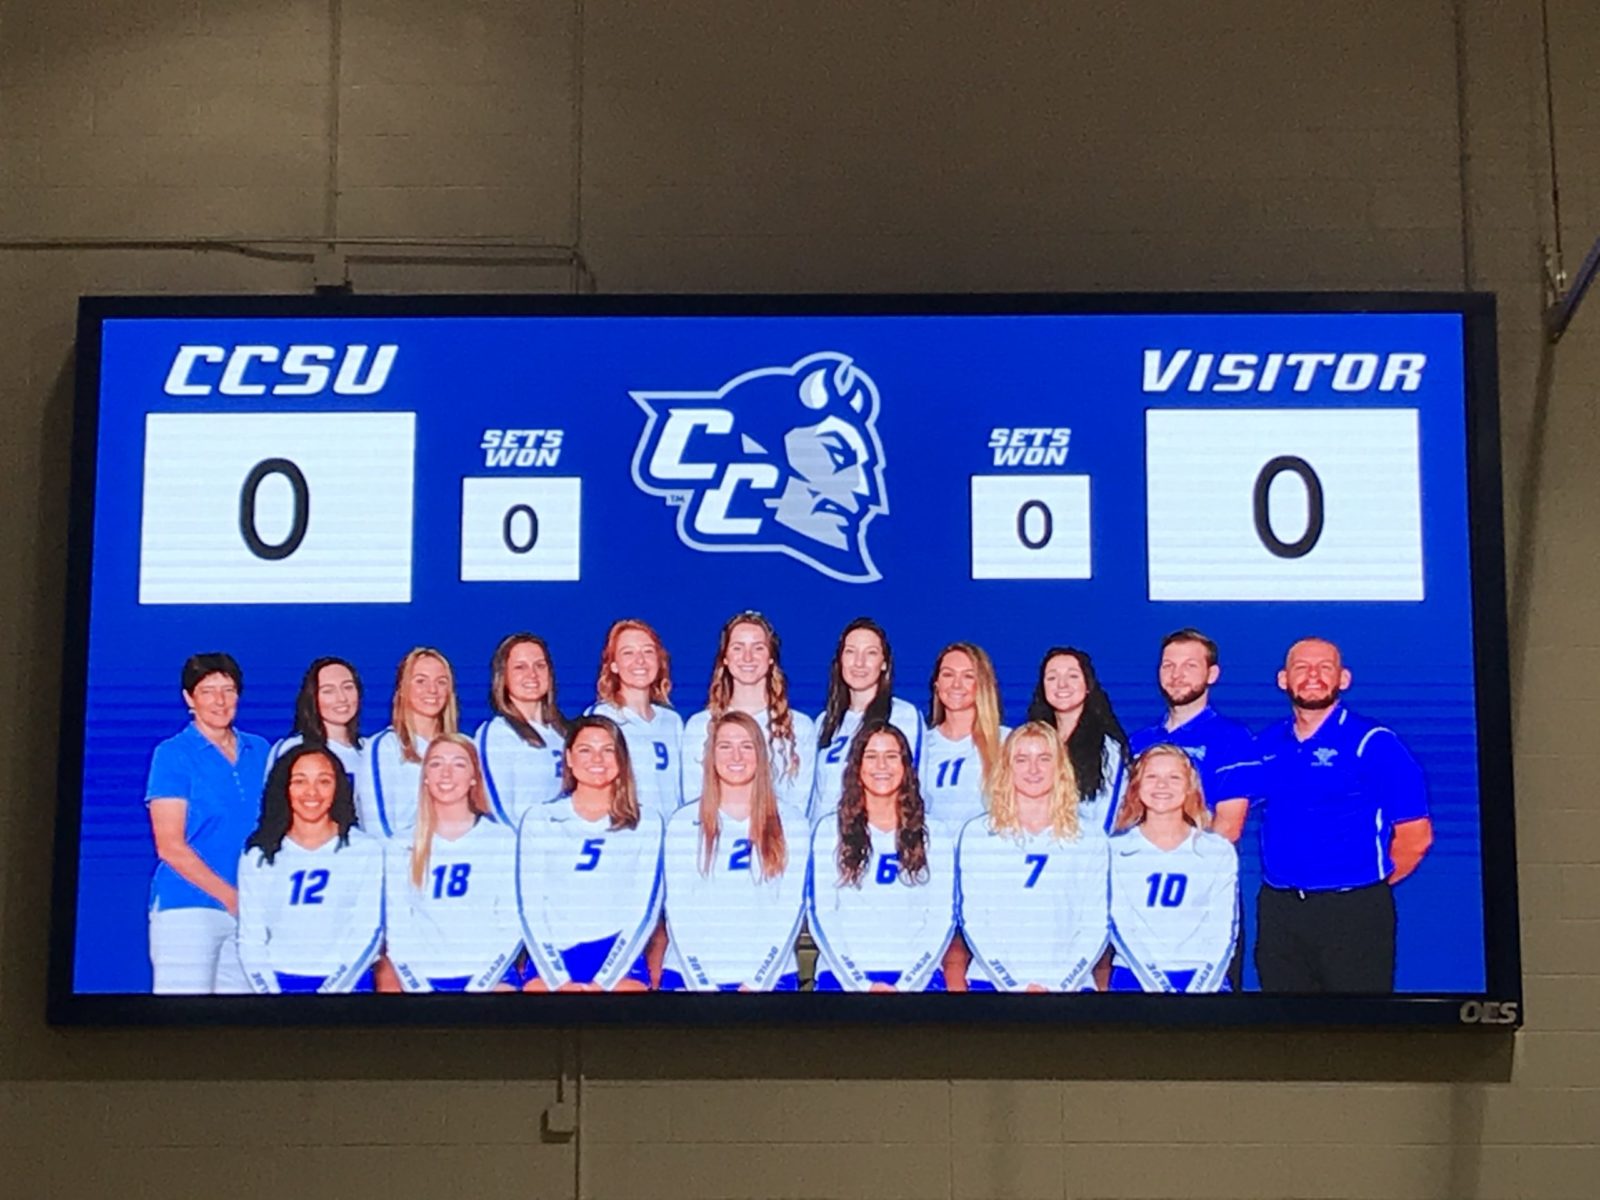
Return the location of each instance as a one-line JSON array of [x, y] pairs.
[[902, 144]]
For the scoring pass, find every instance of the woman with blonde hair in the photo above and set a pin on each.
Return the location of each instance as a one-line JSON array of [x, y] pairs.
[[1033, 876], [589, 871], [882, 876], [632, 690], [735, 866], [960, 755], [961, 750], [747, 677], [389, 772], [1174, 884], [450, 887]]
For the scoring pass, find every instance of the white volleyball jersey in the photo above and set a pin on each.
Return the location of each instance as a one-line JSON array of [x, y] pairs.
[[951, 774], [462, 920], [885, 922], [579, 881], [387, 786], [829, 786], [1174, 910], [793, 787], [311, 912], [1033, 908], [731, 926], [516, 775], [1100, 809], [655, 748], [349, 756]]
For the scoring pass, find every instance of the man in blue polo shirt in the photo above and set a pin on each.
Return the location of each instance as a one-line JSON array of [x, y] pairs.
[[1212, 741], [1344, 817]]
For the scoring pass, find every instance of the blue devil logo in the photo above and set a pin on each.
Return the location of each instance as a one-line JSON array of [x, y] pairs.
[[779, 460]]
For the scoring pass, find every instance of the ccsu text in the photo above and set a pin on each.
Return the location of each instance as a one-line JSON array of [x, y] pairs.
[[300, 370]]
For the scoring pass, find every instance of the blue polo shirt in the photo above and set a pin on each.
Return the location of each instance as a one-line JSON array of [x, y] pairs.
[[1213, 743], [1330, 803], [224, 805]]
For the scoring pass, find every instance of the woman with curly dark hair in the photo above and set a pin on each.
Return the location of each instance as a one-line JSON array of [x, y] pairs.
[[1069, 697], [883, 878], [310, 883]]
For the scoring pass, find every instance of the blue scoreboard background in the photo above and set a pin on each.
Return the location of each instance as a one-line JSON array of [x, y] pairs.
[[289, 487]]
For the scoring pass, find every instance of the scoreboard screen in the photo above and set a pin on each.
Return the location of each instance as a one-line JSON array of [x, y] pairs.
[[1128, 659]]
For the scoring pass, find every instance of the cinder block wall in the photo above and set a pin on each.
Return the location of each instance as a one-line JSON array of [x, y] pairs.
[[741, 145]]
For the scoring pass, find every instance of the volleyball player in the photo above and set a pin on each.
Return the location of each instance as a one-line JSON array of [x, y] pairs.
[[203, 795], [451, 886], [520, 747], [860, 688], [1069, 697], [589, 871], [632, 690], [960, 753], [735, 867], [389, 771], [1174, 885], [882, 889], [1032, 876], [747, 677], [310, 883], [962, 745], [327, 712]]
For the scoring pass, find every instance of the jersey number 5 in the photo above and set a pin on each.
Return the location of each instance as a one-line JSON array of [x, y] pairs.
[[589, 859]]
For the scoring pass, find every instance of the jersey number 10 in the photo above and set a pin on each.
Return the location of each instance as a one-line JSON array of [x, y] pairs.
[[1167, 890]]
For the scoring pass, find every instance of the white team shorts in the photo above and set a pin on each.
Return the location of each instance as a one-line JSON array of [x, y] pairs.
[[195, 951]]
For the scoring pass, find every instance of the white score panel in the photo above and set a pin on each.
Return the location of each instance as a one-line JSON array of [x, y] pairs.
[[1275, 504], [1030, 527], [520, 528], [277, 508]]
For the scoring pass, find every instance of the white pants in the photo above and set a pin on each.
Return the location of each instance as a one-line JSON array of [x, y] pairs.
[[195, 951]]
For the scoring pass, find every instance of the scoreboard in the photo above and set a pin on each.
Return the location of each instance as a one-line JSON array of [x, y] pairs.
[[283, 480]]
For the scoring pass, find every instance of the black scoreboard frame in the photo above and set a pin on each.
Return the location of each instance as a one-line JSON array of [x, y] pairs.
[[1499, 1006]]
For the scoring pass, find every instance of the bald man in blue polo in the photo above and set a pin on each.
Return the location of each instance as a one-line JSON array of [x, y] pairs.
[[1344, 817]]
